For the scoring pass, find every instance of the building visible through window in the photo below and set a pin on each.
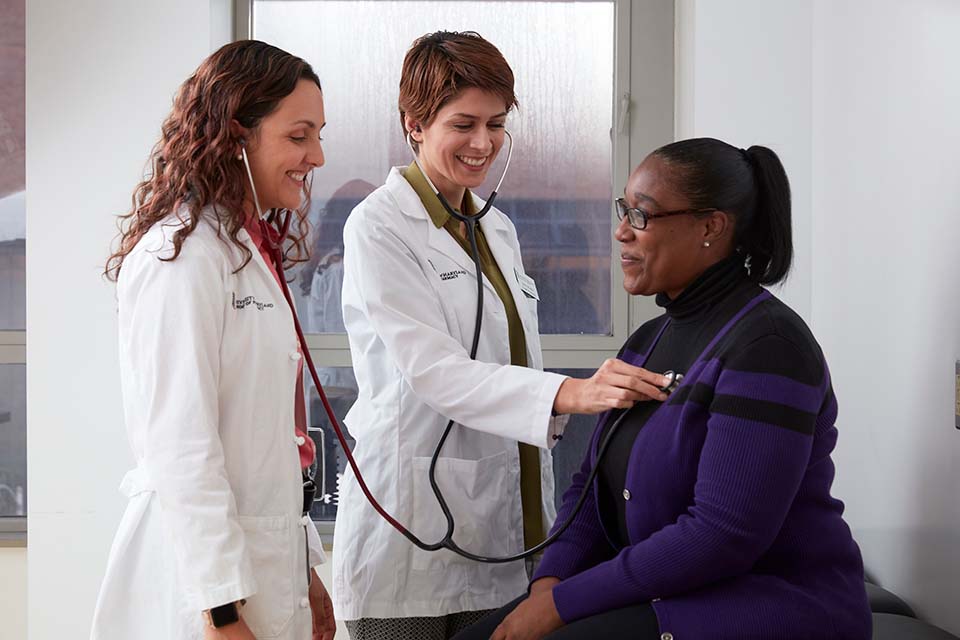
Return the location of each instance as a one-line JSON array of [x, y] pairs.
[[13, 420]]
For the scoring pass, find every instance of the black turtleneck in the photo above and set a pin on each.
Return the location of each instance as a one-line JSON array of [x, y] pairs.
[[695, 316]]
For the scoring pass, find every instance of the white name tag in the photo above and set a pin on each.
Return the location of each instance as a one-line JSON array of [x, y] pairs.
[[527, 285]]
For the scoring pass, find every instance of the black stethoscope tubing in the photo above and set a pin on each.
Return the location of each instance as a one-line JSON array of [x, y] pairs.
[[447, 541]]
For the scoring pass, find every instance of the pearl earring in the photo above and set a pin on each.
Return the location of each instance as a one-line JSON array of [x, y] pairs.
[[706, 244]]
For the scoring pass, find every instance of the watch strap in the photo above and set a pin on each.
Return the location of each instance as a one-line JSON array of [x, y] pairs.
[[222, 615]]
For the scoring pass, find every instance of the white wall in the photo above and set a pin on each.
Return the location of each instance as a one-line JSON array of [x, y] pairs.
[[100, 78], [886, 280], [860, 99], [743, 76]]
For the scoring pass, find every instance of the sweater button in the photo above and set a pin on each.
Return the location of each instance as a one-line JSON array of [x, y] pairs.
[[666, 636], [299, 440], [626, 496], [295, 356], [305, 602]]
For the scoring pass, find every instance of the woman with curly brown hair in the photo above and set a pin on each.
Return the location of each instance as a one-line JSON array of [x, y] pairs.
[[214, 543]]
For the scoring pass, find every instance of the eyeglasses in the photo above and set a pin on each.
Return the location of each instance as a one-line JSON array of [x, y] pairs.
[[638, 218]]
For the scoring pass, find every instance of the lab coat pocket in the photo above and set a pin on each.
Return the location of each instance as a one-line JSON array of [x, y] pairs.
[[270, 543], [480, 494]]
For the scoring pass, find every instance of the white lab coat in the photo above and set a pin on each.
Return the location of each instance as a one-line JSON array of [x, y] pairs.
[[208, 360], [409, 302]]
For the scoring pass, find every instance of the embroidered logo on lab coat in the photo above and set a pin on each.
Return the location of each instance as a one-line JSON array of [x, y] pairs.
[[248, 301], [450, 275]]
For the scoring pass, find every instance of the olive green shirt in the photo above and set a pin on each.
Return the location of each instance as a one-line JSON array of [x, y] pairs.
[[530, 487]]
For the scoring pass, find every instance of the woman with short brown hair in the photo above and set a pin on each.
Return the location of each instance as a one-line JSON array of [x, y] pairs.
[[409, 307]]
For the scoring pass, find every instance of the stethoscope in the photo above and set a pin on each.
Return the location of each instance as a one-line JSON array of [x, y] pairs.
[[447, 541]]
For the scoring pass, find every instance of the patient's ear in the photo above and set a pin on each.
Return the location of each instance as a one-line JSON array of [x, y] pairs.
[[718, 226]]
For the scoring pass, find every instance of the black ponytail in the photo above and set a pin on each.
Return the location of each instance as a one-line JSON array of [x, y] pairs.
[[752, 186], [768, 240]]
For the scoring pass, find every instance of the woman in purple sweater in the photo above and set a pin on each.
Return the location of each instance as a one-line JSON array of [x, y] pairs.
[[711, 516]]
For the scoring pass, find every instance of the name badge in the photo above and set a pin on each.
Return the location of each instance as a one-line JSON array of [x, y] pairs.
[[527, 285]]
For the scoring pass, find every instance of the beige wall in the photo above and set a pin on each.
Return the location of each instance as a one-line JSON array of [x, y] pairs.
[[13, 593]]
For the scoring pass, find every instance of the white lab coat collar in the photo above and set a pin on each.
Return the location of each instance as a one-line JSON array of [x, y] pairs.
[[257, 258], [209, 214], [494, 229]]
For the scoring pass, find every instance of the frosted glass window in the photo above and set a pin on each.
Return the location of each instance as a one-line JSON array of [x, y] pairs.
[[341, 389], [13, 440], [12, 169], [558, 190]]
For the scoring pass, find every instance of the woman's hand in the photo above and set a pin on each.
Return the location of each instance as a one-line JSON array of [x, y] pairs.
[[236, 631], [615, 385], [324, 626], [533, 618]]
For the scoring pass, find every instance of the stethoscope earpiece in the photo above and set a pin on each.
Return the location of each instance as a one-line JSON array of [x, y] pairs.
[[253, 187], [285, 221], [446, 205]]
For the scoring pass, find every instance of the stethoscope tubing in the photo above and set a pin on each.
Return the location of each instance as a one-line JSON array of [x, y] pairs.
[[447, 541]]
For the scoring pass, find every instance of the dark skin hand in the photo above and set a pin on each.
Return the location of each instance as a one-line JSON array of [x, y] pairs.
[[535, 617]]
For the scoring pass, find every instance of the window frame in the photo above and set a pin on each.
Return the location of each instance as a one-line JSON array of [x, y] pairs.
[[643, 92], [13, 350]]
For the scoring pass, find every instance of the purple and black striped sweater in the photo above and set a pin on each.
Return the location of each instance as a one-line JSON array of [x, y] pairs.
[[725, 520]]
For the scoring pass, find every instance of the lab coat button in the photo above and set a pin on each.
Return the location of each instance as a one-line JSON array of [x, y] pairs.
[[295, 355], [305, 602], [299, 440], [626, 494], [305, 520], [666, 636]]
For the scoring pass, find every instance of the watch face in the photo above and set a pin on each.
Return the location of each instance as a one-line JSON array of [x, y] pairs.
[[223, 615]]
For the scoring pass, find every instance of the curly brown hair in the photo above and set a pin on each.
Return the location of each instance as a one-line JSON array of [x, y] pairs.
[[194, 163]]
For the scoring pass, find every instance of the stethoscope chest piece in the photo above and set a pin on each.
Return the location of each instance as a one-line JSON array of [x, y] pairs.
[[675, 380]]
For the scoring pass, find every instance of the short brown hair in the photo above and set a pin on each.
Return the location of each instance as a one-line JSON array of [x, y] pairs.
[[442, 64]]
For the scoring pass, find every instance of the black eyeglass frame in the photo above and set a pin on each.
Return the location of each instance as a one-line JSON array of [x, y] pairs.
[[638, 218]]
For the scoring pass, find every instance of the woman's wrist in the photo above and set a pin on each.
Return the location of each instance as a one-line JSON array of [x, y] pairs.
[[544, 584], [565, 400]]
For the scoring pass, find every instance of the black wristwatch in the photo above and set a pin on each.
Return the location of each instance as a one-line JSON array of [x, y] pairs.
[[223, 615]]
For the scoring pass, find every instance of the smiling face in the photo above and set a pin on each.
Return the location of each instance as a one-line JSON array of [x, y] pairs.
[[457, 148], [670, 253], [286, 147]]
